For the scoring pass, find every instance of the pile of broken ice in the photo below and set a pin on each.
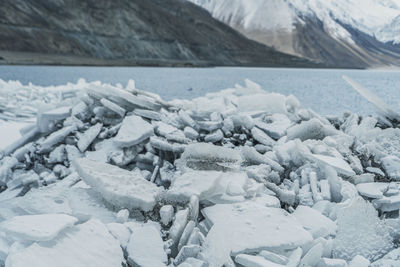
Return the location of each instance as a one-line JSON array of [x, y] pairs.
[[236, 178]]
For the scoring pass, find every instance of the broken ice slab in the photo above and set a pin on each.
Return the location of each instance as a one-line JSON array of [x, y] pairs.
[[121, 188], [148, 114], [208, 186], [145, 247], [133, 131], [252, 260], [123, 97], [269, 103], [276, 126], [341, 166], [200, 183], [381, 107], [164, 145], [253, 228], [372, 190], [43, 227], [312, 129], [87, 137], [203, 156], [87, 244], [55, 138], [391, 165], [113, 107], [387, 204], [314, 222], [262, 137], [46, 121]]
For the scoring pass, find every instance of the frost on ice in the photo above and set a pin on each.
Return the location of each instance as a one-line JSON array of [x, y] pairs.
[[111, 176]]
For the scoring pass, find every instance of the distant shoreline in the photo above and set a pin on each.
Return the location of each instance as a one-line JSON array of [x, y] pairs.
[[29, 58]]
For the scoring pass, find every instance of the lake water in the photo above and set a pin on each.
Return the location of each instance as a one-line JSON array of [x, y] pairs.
[[323, 90]]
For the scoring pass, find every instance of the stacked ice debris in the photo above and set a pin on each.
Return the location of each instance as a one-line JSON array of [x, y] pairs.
[[236, 178], [20, 102]]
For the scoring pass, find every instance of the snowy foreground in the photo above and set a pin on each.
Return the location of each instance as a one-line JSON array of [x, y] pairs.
[[236, 178]]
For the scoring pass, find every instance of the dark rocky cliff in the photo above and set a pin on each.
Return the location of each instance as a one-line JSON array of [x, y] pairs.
[[126, 32]]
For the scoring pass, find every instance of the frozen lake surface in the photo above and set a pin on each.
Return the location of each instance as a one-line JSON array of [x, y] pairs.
[[322, 90]]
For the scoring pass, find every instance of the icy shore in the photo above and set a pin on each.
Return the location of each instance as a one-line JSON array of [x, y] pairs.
[[113, 176]]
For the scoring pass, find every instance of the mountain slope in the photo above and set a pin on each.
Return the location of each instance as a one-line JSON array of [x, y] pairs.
[[156, 32], [344, 33]]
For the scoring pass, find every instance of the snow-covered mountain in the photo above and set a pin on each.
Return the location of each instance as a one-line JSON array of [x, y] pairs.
[[339, 32]]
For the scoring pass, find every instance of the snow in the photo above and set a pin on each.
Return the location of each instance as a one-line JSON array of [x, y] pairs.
[[87, 244], [121, 188], [373, 17], [42, 227]]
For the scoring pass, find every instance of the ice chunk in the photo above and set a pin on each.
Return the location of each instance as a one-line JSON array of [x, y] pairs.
[[112, 106], [46, 121], [200, 183], [133, 131], [121, 232], [190, 133], [312, 129], [276, 258], [277, 127], [391, 165], [186, 234], [120, 187], [314, 222], [327, 262], [55, 138], [164, 145], [255, 261], [251, 156], [166, 214], [242, 121], [341, 166], [42, 227], [372, 190], [381, 107], [313, 256], [122, 216], [269, 103], [252, 227], [262, 137], [361, 232], [87, 137], [6, 168], [177, 228], [390, 203], [121, 96], [359, 261], [148, 114], [145, 247], [214, 137], [391, 259], [190, 251], [87, 244], [210, 157]]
